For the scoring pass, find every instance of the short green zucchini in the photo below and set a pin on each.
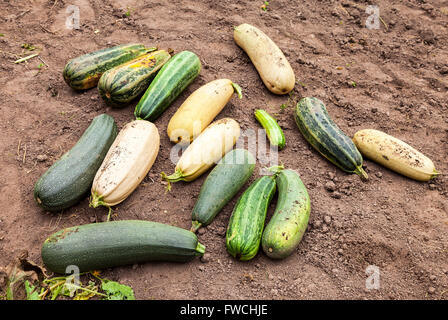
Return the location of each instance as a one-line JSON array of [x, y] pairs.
[[223, 182], [273, 130], [171, 80], [68, 180], [246, 224], [284, 231], [324, 135]]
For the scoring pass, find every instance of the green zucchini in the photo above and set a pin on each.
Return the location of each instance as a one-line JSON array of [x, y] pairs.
[[223, 182], [83, 72], [273, 130], [171, 80], [246, 224], [324, 135], [122, 84], [109, 244], [284, 231], [67, 181]]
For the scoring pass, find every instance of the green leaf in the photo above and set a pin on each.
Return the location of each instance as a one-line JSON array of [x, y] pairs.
[[31, 292], [117, 291]]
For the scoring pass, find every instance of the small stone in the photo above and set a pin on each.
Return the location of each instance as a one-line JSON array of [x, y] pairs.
[[432, 186], [331, 175], [336, 195], [431, 290], [201, 268], [274, 292], [317, 224], [432, 277], [92, 219], [41, 158], [374, 110], [93, 98], [205, 258], [379, 174], [201, 231], [340, 252], [330, 186], [335, 271], [325, 229], [327, 219]]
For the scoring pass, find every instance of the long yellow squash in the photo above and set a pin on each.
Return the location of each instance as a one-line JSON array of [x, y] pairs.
[[206, 150], [127, 162], [394, 154], [199, 110]]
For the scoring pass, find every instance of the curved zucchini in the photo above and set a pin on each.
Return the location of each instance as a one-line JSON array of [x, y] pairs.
[[83, 72], [126, 164], [122, 84], [68, 180], [206, 150], [284, 231], [223, 182], [246, 224], [109, 244], [394, 154], [273, 130], [324, 135], [171, 80], [199, 109], [270, 62]]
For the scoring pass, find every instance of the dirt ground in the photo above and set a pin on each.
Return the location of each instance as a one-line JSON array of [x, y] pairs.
[[394, 79]]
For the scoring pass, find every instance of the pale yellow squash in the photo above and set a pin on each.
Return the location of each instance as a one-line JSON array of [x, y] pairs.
[[126, 164], [206, 150], [394, 154], [268, 59], [199, 110]]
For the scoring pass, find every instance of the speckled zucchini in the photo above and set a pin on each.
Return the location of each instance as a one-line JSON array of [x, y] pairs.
[[273, 130]]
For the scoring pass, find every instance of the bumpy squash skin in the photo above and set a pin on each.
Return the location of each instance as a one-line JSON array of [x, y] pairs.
[[67, 181], [98, 246], [246, 224], [324, 135], [394, 154], [221, 185], [83, 72], [285, 230], [122, 84], [169, 83], [270, 62]]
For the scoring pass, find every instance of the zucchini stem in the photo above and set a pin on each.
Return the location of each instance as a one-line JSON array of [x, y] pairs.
[[175, 177], [237, 89], [96, 201], [360, 172], [195, 225], [276, 169], [200, 249]]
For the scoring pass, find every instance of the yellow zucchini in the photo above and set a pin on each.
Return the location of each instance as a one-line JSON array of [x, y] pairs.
[[268, 59], [206, 150], [199, 110], [127, 162], [394, 154]]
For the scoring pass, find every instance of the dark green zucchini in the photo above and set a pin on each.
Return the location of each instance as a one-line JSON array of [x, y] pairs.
[[122, 84], [223, 182], [247, 221], [171, 80], [68, 180], [109, 244], [284, 231], [83, 72], [324, 135]]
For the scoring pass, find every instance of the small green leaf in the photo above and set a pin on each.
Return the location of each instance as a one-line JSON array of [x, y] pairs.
[[31, 292], [117, 291]]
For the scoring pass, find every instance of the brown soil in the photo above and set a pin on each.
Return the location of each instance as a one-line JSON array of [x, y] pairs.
[[394, 79]]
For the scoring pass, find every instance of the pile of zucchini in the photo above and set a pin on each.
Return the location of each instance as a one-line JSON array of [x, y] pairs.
[[109, 164]]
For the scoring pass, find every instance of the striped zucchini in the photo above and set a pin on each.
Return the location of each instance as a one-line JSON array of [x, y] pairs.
[[83, 72], [273, 130], [223, 182], [124, 83], [108, 244], [284, 231], [324, 135], [171, 80], [246, 224], [68, 180]]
